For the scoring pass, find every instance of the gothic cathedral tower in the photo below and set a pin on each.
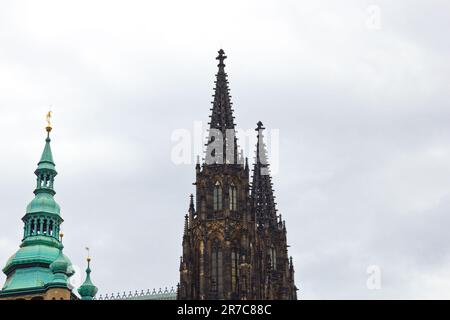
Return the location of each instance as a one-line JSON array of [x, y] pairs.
[[234, 244]]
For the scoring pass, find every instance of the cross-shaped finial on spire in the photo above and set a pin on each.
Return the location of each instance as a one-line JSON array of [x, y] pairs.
[[221, 57], [260, 126]]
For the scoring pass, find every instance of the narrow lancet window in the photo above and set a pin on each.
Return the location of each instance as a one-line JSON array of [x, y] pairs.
[[273, 258], [216, 269], [234, 269], [217, 197], [233, 198]]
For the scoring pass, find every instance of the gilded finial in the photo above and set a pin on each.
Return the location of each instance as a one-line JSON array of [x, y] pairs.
[[48, 118], [88, 259]]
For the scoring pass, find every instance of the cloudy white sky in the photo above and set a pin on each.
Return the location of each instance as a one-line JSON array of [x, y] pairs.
[[359, 90]]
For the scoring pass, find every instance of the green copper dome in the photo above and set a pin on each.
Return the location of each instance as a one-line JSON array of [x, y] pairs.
[[59, 268], [60, 265], [39, 256], [43, 203], [40, 262], [87, 290]]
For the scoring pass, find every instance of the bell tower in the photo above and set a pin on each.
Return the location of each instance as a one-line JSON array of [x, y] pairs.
[[39, 270]]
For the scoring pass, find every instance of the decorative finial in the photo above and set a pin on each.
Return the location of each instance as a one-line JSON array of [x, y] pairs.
[[260, 126], [221, 57], [61, 235], [48, 118], [88, 290]]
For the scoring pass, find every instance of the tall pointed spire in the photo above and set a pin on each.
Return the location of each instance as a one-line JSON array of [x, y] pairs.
[[45, 177], [222, 119], [40, 259], [262, 197], [186, 225], [222, 112]]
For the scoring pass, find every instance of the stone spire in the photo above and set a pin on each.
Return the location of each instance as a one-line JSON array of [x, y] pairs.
[[222, 113], [191, 204], [222, 119], [262, 198]]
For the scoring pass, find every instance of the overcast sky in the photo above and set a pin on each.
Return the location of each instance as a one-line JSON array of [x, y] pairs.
[[359, 92]]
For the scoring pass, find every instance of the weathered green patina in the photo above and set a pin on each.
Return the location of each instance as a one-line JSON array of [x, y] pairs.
[[40, 263], [88, 290]]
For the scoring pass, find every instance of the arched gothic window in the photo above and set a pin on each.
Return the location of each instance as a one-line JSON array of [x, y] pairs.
[[199, 269], [233, 197], [235, 269], [216, 268], [273, 258], [217, 197]]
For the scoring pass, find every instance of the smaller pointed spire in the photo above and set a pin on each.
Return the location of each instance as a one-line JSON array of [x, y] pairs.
[[186, 224], [59, 268], [87, 290], [46, 160], [191, 211], [191, 203], [262, 197]]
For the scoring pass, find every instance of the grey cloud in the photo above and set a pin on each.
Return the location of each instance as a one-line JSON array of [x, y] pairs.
[[362, 115]]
